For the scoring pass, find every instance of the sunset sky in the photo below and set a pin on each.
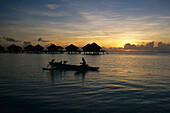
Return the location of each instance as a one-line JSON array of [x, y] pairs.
[[110, 23]]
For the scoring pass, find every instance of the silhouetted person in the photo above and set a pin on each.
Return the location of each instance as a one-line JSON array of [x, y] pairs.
[[51, 63], [65, 62], [61, 62], [84, 62]]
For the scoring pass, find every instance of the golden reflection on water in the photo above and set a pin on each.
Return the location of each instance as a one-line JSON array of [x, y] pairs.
[[139, 70], [123, 80]]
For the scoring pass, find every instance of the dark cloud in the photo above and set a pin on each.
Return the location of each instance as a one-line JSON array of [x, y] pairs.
[[42, 40], [26, 43], [10, 39], [115, 49], [129, 46], [148, 46], [141, 42], [163, 46], [48, 45]]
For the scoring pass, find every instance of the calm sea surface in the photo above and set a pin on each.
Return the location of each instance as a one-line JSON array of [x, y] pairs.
[[126, 82]]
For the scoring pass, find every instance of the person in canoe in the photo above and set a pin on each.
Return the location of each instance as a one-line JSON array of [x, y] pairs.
[[63, 66], [83, 62], [84, 65], [51, 63]]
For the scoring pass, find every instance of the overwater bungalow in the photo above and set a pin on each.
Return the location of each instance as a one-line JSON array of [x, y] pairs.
[[72, 49], [14, 49], [91, 49], [86, 48], [29, 49], [1, 49], [54, 49], [38, 48], [95, 48]]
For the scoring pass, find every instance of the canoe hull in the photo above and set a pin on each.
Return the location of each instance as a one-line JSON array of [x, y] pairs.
[[72, 67]]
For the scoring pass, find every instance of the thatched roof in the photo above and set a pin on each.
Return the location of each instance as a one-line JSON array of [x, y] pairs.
[[91, 47], [29, 48], [71, 47], [54, 47], [1, 48], [86, 47], [95, 46], [14, 47], [38, 48]]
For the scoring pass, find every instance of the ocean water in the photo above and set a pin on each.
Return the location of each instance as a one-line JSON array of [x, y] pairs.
[[127, 82]]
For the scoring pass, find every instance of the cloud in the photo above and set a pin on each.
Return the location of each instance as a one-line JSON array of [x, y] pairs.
[[26, 43], [48, 45], [88, 21], [134, 9], [129, 46], [52, 6], [52, 14], [148, 46], [124, 26], [42, 40], [165, 17], [163, 46], [10, 39]]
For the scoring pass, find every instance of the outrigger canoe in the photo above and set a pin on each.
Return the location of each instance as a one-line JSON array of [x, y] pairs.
[[72, 67], [60, 66]]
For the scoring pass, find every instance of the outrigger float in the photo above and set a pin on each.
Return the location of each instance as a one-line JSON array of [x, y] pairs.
[[63, 66]]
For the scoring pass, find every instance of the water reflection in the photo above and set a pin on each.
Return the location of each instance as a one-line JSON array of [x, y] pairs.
[[76, 77], [57, 76], [138, 81], [81, 75]]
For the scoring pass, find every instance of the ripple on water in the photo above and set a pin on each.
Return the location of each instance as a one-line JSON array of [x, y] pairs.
[[124, 83]]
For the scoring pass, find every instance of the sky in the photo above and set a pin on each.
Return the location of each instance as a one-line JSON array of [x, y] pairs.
[[109, 23]]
